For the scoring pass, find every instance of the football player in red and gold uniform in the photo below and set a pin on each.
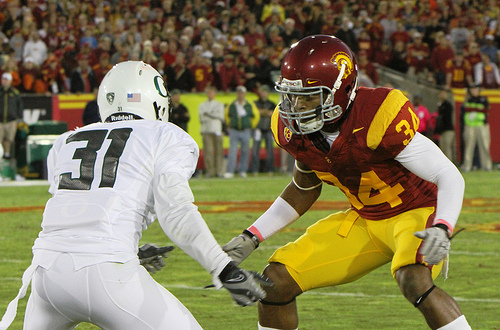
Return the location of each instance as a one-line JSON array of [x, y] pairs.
[[405, 195]]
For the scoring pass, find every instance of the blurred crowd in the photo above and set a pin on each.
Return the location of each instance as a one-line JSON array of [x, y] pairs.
[[68, 46]]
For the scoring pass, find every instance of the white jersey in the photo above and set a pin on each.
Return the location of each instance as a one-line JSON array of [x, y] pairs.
[[108, 181]]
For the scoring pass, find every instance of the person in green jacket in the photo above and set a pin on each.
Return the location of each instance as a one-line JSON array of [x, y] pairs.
[[241, 117]]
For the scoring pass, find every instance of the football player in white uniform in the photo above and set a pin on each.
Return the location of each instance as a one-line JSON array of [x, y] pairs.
[[109, 181]]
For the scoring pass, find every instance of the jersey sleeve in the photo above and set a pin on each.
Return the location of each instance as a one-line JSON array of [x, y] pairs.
[[177, 152], [393, 126]]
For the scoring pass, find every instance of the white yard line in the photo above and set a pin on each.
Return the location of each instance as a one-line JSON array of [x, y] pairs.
[[348, 294]]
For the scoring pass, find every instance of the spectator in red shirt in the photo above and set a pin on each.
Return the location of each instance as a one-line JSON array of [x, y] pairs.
[[102, 67], [473, 54], [384, 55], [54, 76], [367, 67], [439, 57], [459, 72], [201, 70], [417, 56], [400, 35], [229, 74], [31, 77]]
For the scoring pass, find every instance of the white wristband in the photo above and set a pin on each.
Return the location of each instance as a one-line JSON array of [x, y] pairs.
[[279, 215]]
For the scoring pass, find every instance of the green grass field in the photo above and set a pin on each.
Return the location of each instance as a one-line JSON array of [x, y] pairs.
[[229, 206]]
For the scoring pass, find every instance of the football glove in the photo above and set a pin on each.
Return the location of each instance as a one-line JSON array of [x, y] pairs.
[[151, 256], [243, 285], [436, 243], [240, 247]]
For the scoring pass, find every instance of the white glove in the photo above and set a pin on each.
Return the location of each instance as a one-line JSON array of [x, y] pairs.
[[436, 244], [151, 256], [243, 285], [240, 247]]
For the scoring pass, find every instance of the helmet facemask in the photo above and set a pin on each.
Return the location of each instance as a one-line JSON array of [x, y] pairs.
[[306, 121]]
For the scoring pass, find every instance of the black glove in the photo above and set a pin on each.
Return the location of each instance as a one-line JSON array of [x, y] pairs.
[[243, 285], [151, 256]]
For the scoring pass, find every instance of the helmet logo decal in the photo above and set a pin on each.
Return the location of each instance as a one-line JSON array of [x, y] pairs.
[[110, 97], [288, 134], [160, 86], [342, 58], [159, 110]]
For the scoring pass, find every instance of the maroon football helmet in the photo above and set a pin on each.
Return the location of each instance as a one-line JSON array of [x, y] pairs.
[[317, 65]]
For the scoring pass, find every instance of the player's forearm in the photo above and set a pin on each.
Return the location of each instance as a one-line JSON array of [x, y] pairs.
[[285, 210]]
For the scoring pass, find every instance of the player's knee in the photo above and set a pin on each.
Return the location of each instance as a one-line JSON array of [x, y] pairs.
[[413, 281], [285, 289]]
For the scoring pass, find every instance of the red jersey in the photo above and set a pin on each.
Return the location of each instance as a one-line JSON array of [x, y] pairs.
[[361, 159], [459, 73]]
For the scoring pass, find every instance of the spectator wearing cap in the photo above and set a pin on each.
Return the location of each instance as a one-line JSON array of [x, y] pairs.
[[35, 48], [440, 56], [54, 76], [179, 114], [459, 72], [241, 117], [83, 78], [31, 77], [417, 56], [489, 48], [229, 74], [11, 107], [263, 133], [476, 129]]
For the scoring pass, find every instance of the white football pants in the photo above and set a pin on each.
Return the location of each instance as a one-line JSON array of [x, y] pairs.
[[109, 295]]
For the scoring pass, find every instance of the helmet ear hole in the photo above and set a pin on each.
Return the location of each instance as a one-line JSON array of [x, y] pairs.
[[348, 89]]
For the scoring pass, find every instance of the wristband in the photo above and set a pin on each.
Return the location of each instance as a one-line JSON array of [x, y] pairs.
[[444, 225], [255, 239]]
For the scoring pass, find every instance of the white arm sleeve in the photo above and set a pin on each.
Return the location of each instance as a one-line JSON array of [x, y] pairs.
[[279, 215], [422, 157], [183, 224]]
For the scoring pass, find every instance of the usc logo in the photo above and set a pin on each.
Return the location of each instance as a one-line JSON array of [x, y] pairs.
[[288, 134], [341, 58]]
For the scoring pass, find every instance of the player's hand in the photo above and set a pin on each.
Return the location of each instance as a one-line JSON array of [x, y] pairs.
[[436, 244], [240, 247], [243, 285], [151, 256]]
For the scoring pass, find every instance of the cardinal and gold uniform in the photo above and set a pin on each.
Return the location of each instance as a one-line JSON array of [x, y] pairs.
[[388, 202]]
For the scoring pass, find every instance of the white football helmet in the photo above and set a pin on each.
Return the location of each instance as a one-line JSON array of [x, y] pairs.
[[133, 90]]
